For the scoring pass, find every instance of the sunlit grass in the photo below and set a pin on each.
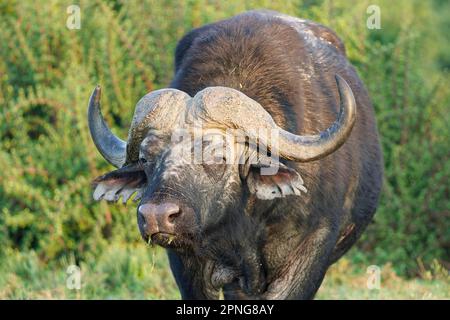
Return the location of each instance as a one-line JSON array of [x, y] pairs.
[[140, 272], [347, 281]]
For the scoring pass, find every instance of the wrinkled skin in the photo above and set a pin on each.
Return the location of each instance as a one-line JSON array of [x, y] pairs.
[[229, 236], [214, 195]]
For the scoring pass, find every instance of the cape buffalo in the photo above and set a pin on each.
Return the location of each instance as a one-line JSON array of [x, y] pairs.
[[225, 223]]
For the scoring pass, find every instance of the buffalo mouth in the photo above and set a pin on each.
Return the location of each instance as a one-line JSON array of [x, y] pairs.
[[168, 240], [163, 239]]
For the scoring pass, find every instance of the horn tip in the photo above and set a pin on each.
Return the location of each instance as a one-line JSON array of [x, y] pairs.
[[343, 86], [338, 78], [97, 93]]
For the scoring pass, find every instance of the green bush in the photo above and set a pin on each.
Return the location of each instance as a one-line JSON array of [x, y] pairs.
[[47, 158]]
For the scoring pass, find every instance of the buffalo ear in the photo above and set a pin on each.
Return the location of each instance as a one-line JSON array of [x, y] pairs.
[[123, 182], [272, 181]]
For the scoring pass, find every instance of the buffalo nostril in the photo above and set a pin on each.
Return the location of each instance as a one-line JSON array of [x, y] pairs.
[[159, 216]]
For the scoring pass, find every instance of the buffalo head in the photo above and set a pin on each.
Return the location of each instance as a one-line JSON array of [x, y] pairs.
[[188, 185]]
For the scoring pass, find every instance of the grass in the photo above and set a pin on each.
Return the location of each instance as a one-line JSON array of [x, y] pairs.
[[137, 272]]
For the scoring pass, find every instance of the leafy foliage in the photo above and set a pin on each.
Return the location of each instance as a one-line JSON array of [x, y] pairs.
[[47, 73]]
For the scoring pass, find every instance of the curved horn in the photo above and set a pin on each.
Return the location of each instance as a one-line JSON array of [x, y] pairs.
[[313, 147], [111, 147], [227, 107]]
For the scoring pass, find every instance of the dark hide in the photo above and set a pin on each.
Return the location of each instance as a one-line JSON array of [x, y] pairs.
[[294, 239]]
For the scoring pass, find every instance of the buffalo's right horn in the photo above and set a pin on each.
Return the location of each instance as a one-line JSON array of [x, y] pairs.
[[111, 147]]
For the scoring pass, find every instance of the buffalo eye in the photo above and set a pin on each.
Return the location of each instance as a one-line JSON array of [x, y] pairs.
[[142, 160]]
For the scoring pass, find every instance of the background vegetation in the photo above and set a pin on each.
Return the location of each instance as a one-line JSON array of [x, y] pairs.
[[47, 159]]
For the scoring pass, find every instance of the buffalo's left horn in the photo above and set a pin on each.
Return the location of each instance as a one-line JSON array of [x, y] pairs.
[[111, 147], [313, 147], [226, 107]]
